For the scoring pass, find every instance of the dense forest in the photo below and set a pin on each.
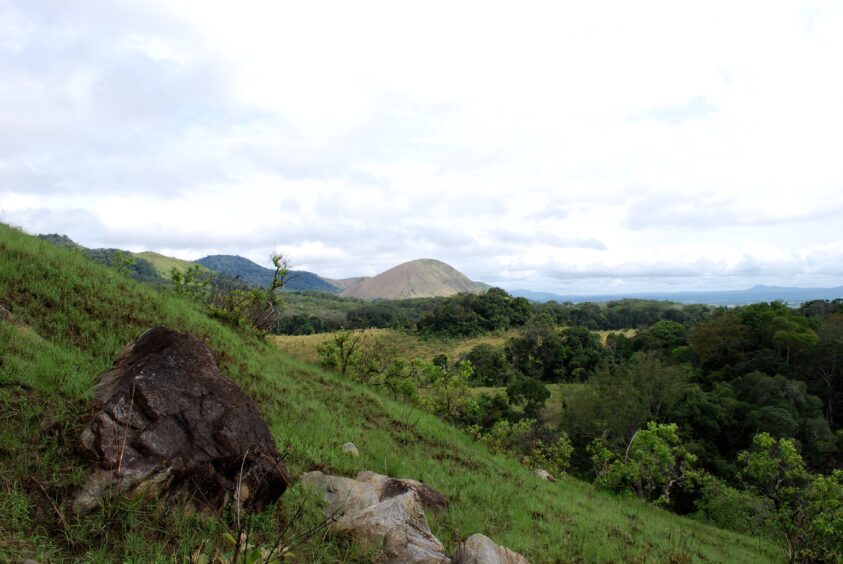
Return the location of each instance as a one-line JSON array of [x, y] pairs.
[[732, 415]]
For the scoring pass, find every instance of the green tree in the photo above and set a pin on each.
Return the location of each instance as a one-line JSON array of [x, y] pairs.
[[807, 509], [530, 393], [652, 465], [341, 351]]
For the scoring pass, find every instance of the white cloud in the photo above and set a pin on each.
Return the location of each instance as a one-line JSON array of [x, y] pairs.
[[557, 146]]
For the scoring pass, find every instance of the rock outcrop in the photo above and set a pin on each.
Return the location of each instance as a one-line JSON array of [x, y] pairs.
[[167, 421], [383, 512], [398, 525], [342, 495], [387, 487], [480, 549]]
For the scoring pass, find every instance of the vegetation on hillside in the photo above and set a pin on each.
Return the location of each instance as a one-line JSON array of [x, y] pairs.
[[82, 314]]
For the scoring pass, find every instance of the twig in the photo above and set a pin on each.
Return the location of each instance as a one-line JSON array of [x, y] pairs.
[[239, 493], [55, 507], [125, 433]]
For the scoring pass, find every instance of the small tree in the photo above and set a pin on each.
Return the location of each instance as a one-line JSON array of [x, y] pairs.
[[655, 461], [340, 352], [807, 509]]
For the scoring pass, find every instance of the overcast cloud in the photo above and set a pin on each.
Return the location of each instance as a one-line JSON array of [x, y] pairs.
[[581, 147]]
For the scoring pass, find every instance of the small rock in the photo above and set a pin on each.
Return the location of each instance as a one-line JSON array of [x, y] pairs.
[[398, 525], [341, 494], [480, 549], [390, 487], [545, 475], [350, 449]]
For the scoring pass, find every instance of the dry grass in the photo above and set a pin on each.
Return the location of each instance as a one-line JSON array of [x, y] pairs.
[[303, 347]]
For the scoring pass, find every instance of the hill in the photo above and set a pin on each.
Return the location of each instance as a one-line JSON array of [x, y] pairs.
[[422, 278], [256, 275], [345, 283], [164, 264], [81, 315], [137, 267]]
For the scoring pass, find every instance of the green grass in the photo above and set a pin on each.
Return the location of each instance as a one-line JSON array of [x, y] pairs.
[[164, 264], [406, 345], [86, 313]]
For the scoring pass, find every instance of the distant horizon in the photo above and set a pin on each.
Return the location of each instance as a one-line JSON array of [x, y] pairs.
[[509, 287]]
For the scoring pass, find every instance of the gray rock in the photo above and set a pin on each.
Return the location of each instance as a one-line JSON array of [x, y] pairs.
[[390, 487], [350, 449], [480, 549], [399, 526], [167, 421], [545, 475], [343, 495]]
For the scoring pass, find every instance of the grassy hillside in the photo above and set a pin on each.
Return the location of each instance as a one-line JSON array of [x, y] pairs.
[[82, 314], [164, 264]]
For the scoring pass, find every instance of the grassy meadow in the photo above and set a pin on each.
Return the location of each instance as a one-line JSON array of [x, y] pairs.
[[164, 265], [82, 314]]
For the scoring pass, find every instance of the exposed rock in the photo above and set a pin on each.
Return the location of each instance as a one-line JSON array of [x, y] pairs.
[[341, 494], [387, 487], [398, 525], [12, 319], [480, 549], [545, 475], [350, 449], [168, 422]]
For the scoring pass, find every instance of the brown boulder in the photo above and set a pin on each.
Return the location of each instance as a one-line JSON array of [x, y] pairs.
[[168, 422]]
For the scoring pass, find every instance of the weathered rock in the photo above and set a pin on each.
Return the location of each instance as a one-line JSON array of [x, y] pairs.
[[168, 422], [399, 526], [343, 495], [480, 549], [387, 487], [350, 449], [545, 475], [7, 316]]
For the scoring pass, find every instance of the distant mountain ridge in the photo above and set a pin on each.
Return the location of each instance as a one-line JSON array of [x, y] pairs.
[[422, 278], [756, 294], [251, 273]]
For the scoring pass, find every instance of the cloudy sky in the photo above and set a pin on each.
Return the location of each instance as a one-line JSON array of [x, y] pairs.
[[575, 147]]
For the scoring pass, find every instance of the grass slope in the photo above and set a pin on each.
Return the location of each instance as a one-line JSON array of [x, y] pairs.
[[85, 313], [164, 264]]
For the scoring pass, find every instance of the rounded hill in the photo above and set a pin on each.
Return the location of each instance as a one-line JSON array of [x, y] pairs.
[[422, 278]]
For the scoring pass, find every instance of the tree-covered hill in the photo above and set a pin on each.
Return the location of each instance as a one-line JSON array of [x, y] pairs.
[[81, 315], [256, 275]]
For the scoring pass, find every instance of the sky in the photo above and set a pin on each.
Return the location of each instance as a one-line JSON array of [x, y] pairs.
[[570, 147]]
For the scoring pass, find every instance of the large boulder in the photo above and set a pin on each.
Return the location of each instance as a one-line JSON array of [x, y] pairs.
[[166, 421], [480, 549]]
